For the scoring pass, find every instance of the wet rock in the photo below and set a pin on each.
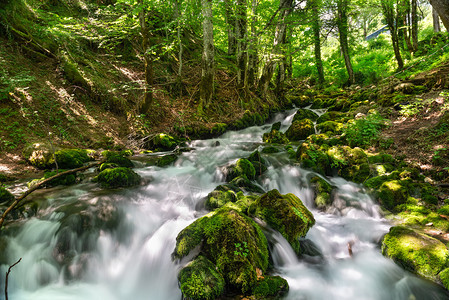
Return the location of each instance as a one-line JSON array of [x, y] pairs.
[[243, 167], [323, 192], [247, 185], [162, 142], [302, 114], [200, 280], [166, 160], [392, 193], [218, 198], [118, 177], [332, 116], [117, 159], [276, 126], [284, 213], [259, 163], [416, 252], [39, 155], [330, 127], [275, 137], [232, 242], [300, 130], [271, 287]]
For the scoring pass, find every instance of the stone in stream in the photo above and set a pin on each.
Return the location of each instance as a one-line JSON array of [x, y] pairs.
[[416, 252], [231, 246], [300, 130], [305, 114], [118, 177]]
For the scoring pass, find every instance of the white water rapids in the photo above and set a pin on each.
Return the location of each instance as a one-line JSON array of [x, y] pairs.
[[88, 243]]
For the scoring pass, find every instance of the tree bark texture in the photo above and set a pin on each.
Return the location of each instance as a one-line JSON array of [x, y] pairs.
[[231, 22], [148, 62], [436, 21], [342, 24], [388, 8], [241, 30], [415, 25], [207, 64], [317, 41], [442, 7], [252, 49]]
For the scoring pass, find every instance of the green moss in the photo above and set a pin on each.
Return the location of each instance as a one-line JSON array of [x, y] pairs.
[[71, 158], [163, 142], [300, 130], [118, 177], [286, 214], [242, 167], [166, 160], [381, 158], [271, 287], [332, 116], [63, 180], [392, 193], [118, 159], [314, 157], [331, 127], [105, 166], [444, 278], [275, 137], [305, 114], [416, 252], [5, 196], [217, 199], [200, 280], [39, 155], [218, 129], [322, 192], [270, 149], [246, 184]]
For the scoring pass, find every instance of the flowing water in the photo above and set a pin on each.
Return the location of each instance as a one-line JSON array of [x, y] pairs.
[[88, 243]]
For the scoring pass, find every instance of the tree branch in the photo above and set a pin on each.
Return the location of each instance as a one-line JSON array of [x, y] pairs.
[[42, 183], [6, 280]]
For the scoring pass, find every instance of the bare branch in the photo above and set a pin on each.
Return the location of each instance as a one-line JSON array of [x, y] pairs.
[[7, 274]]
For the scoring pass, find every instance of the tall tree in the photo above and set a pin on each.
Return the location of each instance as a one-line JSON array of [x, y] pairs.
[[285, 7], [316, 24], [415, 25], [241, 35], [436, 20], [389, 9], [252, 48], [231, 27], [342, 25], [148, 59], [442, 7], [207, 62]]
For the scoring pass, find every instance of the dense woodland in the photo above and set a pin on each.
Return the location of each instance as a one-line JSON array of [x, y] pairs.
[[102, 80]]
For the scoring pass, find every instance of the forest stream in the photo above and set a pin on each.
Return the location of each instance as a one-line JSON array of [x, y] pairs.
[[90, 243]]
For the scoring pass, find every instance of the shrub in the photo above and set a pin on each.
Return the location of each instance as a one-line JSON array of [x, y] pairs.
[[363, 132]]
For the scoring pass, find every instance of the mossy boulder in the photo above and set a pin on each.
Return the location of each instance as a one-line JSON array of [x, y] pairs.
[[62, 180], [332, 116], [300, 130], [275, 137], [247, 185], [118, 177], [284, 213], [270, 149], [218, 198], [232, 242], [302, 114], [313, 156], [39, 155], [5, 196], [416, 252], [163, 142], [392, 193], [71, 158], [118, 159], [271, 287], [323, 191], [166, 160], [331, 127], [259, 163], [444, 278], [105, 166], [200, 280], [243, 167]]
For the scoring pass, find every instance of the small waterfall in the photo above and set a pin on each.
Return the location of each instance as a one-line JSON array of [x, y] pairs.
[[89, 243]]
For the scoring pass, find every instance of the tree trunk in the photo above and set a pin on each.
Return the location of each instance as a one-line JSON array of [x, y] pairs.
[[207, 64], [442, 7], [404, 15], [231, 22], [436, 21], [415, 25], [285, 7], [148, 61], [317, 42], [252, 49], [342, 24], [241, 30], [178, 25], [390, 16]]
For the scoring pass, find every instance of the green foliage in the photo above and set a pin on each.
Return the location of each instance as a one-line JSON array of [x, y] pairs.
[[365, 131], [271, 287], [241, 249], [5, 196]]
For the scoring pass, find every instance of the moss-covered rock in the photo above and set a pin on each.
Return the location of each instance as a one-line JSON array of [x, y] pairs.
[[323, 192], [199, 280], [271, 287], [312, 156], [275, 137], [243, 167], [444, 278], [5, 196], [331, 127], [166, 160], [231, 241], [117, 159], [163, 142], [259, 163], [415, 251], [62, 180], [218, 129], [246, 184], [218, 198], [286, 214], [118, 177], [392, 193], [71, 158], [39, 155], [300, 130], [270, 149], [302, 114], [332, 116], [105, 166]]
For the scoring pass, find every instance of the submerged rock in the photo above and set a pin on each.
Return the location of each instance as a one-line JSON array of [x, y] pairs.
[[305, 114], [323, 192], [416, 252], [166, 160]]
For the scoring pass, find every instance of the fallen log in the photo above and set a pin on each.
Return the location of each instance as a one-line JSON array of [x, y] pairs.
[[41, 184]]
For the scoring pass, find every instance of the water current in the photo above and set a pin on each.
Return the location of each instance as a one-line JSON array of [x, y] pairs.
[[89, 243]]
